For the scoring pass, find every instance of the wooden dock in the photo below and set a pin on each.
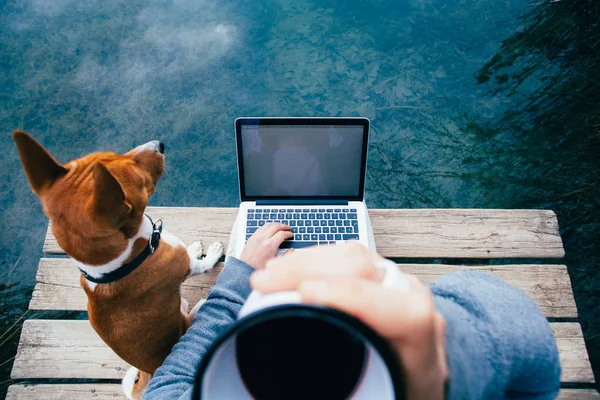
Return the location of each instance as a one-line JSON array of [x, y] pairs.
[[54, 356]]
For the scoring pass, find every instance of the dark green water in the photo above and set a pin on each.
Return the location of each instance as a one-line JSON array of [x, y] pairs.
[[108, 75]]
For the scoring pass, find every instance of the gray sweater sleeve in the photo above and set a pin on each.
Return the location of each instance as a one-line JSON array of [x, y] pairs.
[[499, 344], [175, 378]]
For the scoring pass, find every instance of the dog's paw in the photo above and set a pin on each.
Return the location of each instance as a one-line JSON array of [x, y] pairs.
[[214, 253], [195, 250]]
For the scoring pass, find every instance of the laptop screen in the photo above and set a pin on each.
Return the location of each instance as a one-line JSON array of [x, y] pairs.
[[302, 158]]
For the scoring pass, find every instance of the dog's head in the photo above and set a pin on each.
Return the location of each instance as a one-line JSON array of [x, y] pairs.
[[101, 196]]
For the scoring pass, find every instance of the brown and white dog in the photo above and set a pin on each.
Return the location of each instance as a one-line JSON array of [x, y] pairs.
[[96, 204]]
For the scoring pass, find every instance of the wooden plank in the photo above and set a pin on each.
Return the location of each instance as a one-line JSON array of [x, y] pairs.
[[95, 391], [574, 359], [578, 394], [57, 286], [103, 391], [71, 349], [425, 233]]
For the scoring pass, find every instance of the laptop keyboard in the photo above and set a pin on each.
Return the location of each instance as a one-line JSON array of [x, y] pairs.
[[310, 226]]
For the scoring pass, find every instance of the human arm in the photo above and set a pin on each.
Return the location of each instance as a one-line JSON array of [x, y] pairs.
[[487, 338], [175, 378]]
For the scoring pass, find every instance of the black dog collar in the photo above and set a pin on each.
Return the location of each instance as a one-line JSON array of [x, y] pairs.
[[126, 269]]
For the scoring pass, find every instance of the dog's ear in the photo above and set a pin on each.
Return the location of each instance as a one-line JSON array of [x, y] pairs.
[[109, 198], [41, 168]]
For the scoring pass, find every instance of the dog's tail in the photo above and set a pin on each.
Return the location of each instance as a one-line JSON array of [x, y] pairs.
[[135, 383]]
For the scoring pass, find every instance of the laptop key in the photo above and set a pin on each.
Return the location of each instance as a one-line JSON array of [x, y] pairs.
[[342, 216], [338, 237], [338, 223], [347, 222], [310, 230], [248, 237], [288, 216], [325, 230], [330, 210], [321, 210], [297, 210], [296, 216], [314, 236], [293, 223], [305, 210], [300, 223], [307, 223], [303, 215], [355, 224], [251, 223], [330, 237], [280, 216], [337, 210], [298, 236], [285, 222], [353, 210], [294, 230], [318, 229], [352, 216], [303, 230], [282, 210], [306, 236], [330, 222], [350, 237], [323, 223], [311, 216], [296, 245], [261, 223], [327, 216], [319, 216], [251, 230], [335, 216], [334, 230], [341, 229], [322, 237], [250, 216], [273, 216]]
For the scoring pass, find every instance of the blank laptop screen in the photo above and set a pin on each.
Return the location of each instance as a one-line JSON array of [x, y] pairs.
[[300, 161]]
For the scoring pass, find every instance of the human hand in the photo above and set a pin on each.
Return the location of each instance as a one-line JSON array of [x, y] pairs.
[[263, 244], [345, 277]]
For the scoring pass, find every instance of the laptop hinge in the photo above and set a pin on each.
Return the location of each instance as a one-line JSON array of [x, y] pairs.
[[301, 202]]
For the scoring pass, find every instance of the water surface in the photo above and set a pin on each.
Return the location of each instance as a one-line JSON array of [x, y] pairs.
[[107, 75]]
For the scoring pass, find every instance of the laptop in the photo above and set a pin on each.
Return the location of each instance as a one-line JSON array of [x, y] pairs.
[[308, 173]]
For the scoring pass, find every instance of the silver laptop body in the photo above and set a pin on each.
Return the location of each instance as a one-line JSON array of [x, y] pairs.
[[308, 173]]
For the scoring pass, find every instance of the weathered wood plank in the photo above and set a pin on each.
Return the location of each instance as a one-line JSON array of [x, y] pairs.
[[578, 394], [71, 349], [57, 286], [103, 391], [426, 233], [573, 354], [95, 391]]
